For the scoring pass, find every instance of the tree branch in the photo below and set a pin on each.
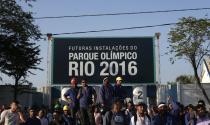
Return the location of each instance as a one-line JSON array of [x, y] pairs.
[[202, 56]]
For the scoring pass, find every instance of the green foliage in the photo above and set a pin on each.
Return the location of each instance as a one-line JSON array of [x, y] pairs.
[[190, 39], [186, 79], [18, 55], [15, 23]]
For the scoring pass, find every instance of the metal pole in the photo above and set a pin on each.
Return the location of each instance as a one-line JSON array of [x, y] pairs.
[[178, 91], [159, 87], [49, 36], [158, 49]]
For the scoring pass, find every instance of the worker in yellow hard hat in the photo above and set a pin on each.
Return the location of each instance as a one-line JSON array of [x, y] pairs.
[[119, 92], [65, 108], [66, 115]]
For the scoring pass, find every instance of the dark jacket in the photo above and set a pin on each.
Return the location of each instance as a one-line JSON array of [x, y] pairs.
[[162, 119], [33, 121], [119, 93]]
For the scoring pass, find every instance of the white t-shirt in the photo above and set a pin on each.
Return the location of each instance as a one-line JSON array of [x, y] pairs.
[[10, 118], [140, 121]]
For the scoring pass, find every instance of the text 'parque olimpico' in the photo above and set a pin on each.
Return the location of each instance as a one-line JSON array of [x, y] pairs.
[[133, 58]]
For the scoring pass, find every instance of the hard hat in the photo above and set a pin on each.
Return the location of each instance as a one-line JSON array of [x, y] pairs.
[[65, 108], [73, 81], [106, 78], [161, 105], [57, 106], [119, 78]]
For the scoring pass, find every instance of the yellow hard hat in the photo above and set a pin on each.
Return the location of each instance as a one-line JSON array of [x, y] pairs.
[[119, 78], [65, 108]]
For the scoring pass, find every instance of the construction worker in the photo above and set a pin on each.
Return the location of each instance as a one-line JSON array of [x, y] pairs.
[[87, 97], [66, 116], [71, 97], [119, 92], [106, 92]]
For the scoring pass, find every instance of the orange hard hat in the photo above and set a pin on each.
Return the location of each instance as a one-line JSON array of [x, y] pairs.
[[73, 81]]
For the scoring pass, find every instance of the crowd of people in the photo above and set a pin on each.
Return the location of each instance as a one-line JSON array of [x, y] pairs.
[[112, 109]]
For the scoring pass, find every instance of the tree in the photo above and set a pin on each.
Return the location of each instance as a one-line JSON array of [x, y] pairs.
[[18, 55], [186, 79], [189, 40]]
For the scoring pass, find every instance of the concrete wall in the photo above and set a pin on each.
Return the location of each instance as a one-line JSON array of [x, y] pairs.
[[191, 93], [184, 93], [25, 99]]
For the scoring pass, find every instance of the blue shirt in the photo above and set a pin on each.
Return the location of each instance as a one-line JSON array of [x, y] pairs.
[[72, 94], [106, 95], [174, 112], [86, 94]]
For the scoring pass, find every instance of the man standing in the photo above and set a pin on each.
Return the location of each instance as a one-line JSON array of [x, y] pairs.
[[12, 116], [71, 97], [106, 93], [119, 93], [86, 102]]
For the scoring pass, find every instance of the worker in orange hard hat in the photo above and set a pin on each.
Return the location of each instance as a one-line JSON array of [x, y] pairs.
[[71, 97], [119, 92], [73, 82]]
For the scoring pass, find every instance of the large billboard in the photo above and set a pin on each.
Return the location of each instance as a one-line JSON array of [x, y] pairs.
[[96, 58]]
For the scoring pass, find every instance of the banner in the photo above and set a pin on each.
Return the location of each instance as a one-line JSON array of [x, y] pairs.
[[96, 58]]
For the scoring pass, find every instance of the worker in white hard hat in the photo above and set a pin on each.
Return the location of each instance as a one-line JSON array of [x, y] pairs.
[[119, 92]]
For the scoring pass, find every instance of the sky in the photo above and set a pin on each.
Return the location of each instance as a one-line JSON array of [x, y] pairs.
[[43, 8]]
